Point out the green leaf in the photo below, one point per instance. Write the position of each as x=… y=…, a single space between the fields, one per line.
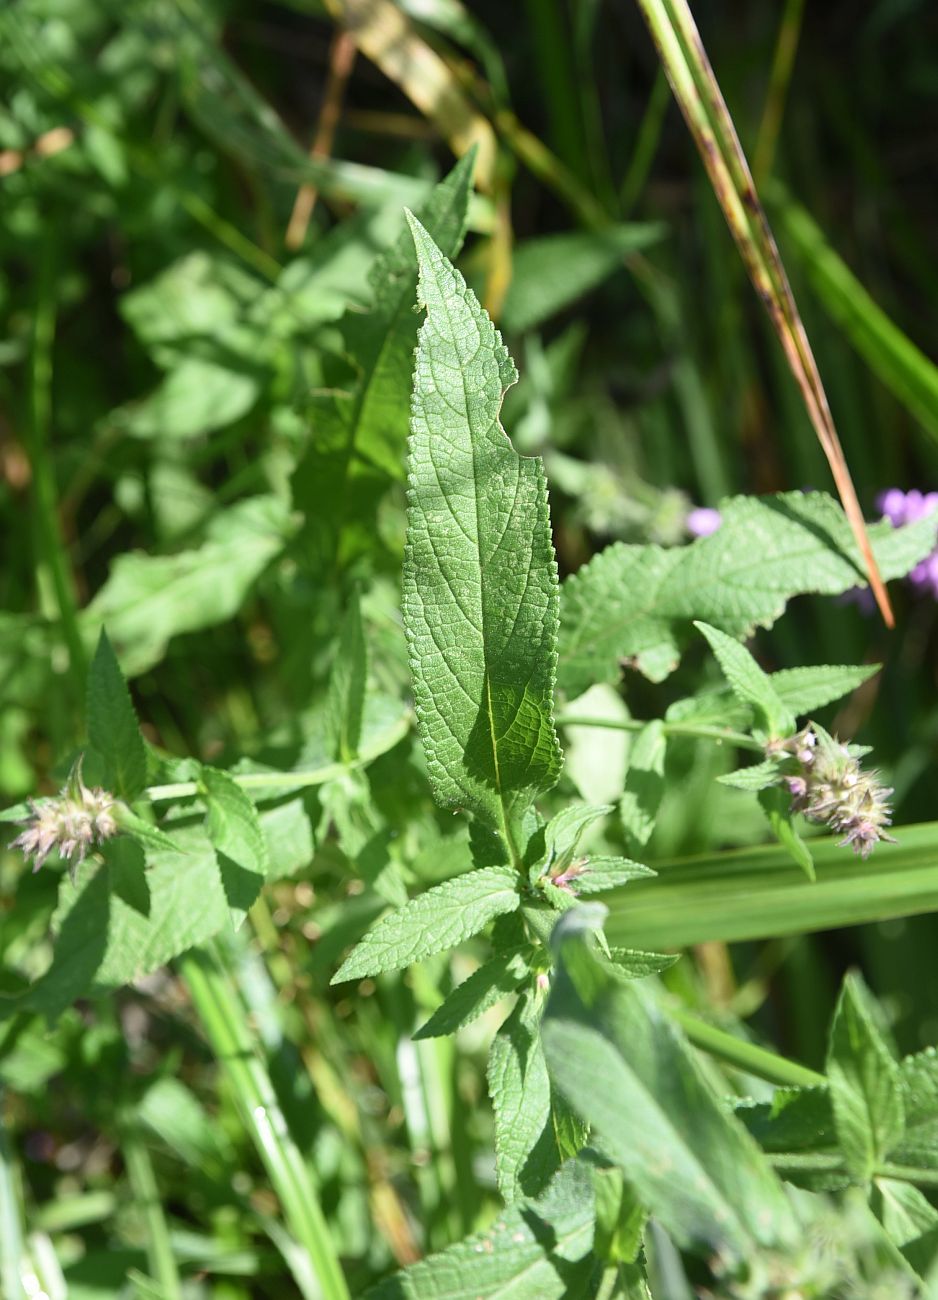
x=541 y=1250
x=636 y=965
x=480 y=579
x=644 y=786
x=776 y=804
x=628 y=1073
x=148 y=599
x=865 y=1084
x=758 y=776
x=636 y=603
x=802 y=690
x=345 y=700
x=145 y=833
x=112 y=725
x=525 y=1151
x=234 y=828
x=747 y=681
x=561 y=836
x=550 y=273
x=363 y=430
x=435 y=921
x=601 y=872
x=796 y=1119
x=485 y=987
x=104 y=940
x=758 y=893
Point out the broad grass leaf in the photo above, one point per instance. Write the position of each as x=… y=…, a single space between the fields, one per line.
x=551 y=272
x=112 y=725
x=865 y=1084
x=480 y=579
x=635 y=604
x=433 y=922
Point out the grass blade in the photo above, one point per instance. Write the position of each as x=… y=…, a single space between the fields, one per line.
x=223 y=1020
x=902 y=367
x=701 y=101
x=760 y=893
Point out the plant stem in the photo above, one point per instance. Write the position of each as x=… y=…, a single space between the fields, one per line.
x=11 y=1236
x=744 y=1055
x=701 y=101
x=783 y=62
x=223 y=1019
x=160 y=1258
x=697 y=732
x=286 y=781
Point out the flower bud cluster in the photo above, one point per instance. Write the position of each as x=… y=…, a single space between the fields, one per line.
x=829 y=787
x=74 y=822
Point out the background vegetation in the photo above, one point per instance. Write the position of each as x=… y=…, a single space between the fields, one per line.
x=177 y=273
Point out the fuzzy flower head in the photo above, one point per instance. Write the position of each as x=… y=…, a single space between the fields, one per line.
x=829 y=787
x=74 y=822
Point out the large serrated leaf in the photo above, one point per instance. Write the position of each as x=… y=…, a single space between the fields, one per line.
x=480 y=579
x=525 y=1151
x=112 y=725
x=540 y=1250
x=433 y=922
x=636 y=603
x=865 y=1084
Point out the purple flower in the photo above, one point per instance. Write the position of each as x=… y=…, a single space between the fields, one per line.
x=702 y=521
x=73 y=823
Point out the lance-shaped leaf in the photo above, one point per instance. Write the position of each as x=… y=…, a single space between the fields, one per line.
x=525 y=1149
x=112 y=725
x=748 y=682
x=635 y=604
x=480 y=579
x=627 y=1072
x=433 y=922
x=475 y=995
